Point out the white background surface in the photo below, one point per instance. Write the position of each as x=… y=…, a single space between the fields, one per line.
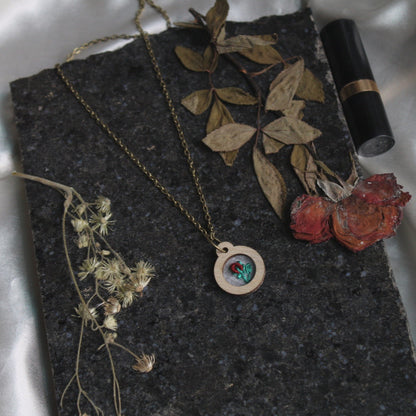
x=36 y=34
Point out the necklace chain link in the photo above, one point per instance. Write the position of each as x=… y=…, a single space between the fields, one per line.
x=208 y=231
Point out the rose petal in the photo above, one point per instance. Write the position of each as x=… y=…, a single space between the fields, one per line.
x=358 y=225
x=381 y=189
x=310 y=218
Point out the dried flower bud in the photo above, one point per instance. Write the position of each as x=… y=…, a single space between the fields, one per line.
x=81 y=208
x=85 y=313
x=141 y=276
x=110 y=337
x=79 y=224
x=110 y=269
x=110 y=323
x=144 y=363
x=126 y=296
x=138 y=284
x=126 y=270
x=113 y=284
x=100 y=222
x=112 y=306
x=83 y=241
x=103 y=204
x=88 y=266
x=144 y=269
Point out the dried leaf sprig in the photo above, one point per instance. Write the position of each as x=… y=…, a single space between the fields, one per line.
x=112 y=286
x=224 y=135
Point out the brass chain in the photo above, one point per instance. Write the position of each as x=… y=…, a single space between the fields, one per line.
x=207 y=232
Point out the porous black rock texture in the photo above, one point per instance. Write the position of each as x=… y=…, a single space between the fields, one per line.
x=324 y=335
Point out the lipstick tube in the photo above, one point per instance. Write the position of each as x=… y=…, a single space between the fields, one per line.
x=357 y=89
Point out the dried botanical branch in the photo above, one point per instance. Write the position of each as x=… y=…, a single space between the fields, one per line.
x=226 y=136
x=114 y=284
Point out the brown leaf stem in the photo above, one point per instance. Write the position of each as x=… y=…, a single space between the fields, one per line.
x=254 y=86
x=199 y=18
x=264 y=70
x=211 y=82
x=246 y=75
x=296 y=57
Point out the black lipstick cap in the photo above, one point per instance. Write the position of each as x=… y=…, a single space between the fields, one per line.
x=357 y=90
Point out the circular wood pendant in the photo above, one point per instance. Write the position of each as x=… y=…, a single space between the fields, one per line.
x=238 y=270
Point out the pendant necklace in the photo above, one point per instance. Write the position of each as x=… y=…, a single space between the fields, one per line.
x=238 y=270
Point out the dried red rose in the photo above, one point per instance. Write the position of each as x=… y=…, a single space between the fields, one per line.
x=381 y=189
x=309 y=218
x=357 y=224
x=372 y=212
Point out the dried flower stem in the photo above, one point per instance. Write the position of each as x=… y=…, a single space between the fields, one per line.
x=81 y=391
x=101 y=258
x=128 y=350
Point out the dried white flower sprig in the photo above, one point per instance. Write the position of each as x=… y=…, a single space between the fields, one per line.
x=113 y=285
x=144 y=363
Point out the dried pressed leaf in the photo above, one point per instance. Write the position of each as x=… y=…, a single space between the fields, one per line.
x=271 y=181
x=210 y=59
x=242 y=42
x=271 y=37
x=219 y=116
x=310 y=87
x=190 y=59
x=305 y=168
x=236 y=95
x=325 y=168
x=198 y=101
x=295 y=109
x=290 y=130
x=299 y=157
x=229 y=137
x=284 y=86
x=221 y=35
x=265 y=55
x=270 y=145
x=216 y=17
x=293 y=70
x=301 y=177
x=229 y=157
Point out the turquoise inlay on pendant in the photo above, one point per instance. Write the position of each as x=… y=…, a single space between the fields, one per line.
x=242 y=271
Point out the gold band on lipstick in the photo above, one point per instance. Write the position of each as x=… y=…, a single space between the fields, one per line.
x=355 y=87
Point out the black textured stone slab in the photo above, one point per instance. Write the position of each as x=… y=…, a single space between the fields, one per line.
x=324 y=335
